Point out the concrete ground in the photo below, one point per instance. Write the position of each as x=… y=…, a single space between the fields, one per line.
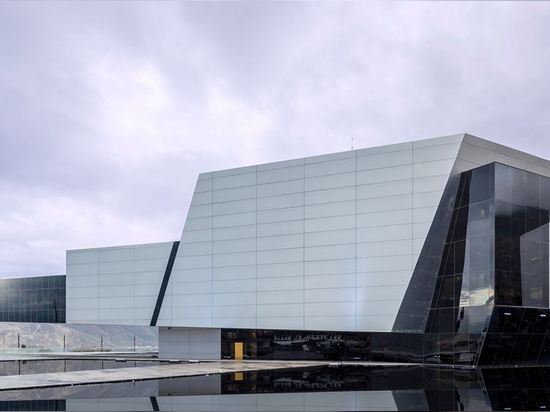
x=44 y=380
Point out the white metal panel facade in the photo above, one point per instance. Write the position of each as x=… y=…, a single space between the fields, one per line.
x=115 y=285
x=327 y=242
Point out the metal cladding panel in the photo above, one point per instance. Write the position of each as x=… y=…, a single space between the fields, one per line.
x=115 y=285
x=325 y=242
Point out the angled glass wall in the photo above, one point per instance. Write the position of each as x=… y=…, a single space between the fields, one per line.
x=495 y=258
x=522 y=204
x=464 y=294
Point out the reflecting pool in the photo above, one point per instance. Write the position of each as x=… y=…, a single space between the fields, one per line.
x=356 y=388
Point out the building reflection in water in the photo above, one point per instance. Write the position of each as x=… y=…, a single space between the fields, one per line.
x=328 y=388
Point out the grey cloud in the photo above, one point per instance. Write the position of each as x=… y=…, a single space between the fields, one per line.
x=109 y=110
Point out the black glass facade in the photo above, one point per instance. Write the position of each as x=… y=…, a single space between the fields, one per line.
x=479 y=294
x=33 y=299
x=323 y=345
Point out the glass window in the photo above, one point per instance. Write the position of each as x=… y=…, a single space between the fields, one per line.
x=481 y=183
x=510 y=184
x=532 y=190
x=480 y=219
x=449 y=288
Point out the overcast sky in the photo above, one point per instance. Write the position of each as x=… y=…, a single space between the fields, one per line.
x=109 y=110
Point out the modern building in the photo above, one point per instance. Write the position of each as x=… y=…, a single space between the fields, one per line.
x=432 y=251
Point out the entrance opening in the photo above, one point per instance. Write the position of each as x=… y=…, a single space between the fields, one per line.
x=238 y=350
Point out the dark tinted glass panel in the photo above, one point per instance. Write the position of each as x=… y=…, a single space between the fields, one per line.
x=481 y=185
x=414 y=310
x=35 y=299
x=510 y=184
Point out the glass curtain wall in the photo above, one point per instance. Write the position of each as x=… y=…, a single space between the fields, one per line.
x=33 y=299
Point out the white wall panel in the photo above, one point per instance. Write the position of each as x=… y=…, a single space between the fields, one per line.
x=329 y=223
x=196 y=211
x=385 y=278
x=238 y=193
x=330 y=181
x=192 y=236
x=382 y=323
x=424 y=199
x=234 y=272
x=280 y=215
x=235 y=206
x=280 y=242
x=383 y=204
x=280 y=228
x=240 y=285
x=345 y=280
x=233 y=245
x=280 y=283
x=237 y=219
x=191 y=275
x=330 y=167
x=280 y=188
x=201 y=198
x=191 y=287
x=195 y=299
x=381 y=293
x=117 y=288
x=235 y=298
x=427 y=184
x=150 y=265
x=330 y=309
x=280 y=255
x=332 y=237
x=329 y=195
x=382 y=160
x=385 y=174
x=281 y=201
x=384 y=233
x=281 y=323
x=436 y=151
x=124 y=266
x=198 y=223
x=235 y=232
x=280 y=297
x=330 y=295
x=384 y=218
x=116 y=254
x=433 y=168
x=89 y=256
x=281 y=174
x=384 y=248
x=329 y=157
x=286 y=310
x=399 y=187
x=330 y=209
x=326 y=267
x=330 y=323
x=330 y=252
x=203 y=185
x=280 y=269
x=235 y=311
x=196 y=249
x=225 y=182
x=384 y=263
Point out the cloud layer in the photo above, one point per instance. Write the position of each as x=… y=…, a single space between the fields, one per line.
x=109 y=110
